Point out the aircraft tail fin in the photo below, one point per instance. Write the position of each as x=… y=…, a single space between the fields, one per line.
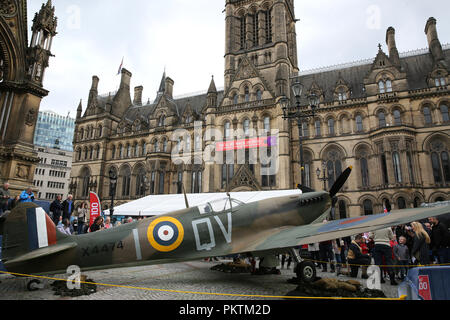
x=27 y=228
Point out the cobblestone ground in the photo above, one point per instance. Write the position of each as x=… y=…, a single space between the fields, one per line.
x=157 y=282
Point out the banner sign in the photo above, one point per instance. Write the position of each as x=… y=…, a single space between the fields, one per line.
x=424 y=288
x=246 y=144
x=95 y=208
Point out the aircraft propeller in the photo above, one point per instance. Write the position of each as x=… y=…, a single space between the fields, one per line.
x=336 y=186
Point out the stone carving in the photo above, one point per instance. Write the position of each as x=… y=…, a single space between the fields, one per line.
x=22 y=171
x=30 y=118
x=7 y=7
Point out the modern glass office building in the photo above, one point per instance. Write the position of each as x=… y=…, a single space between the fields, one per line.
x=54 y=131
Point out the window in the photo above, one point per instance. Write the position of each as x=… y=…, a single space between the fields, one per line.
x=144 y=149
x=268 y=26
x=364 y=172
x=180 y=182
x=164 y=145
x=331 y=129
x=444 y=113
x=162 y=121
x=267 y=125
x=136 y=150
x=388 y=86
x=235 y=98
x=440 y=82
x=401 y=203
x=140 y=183
x=196 y=186
x=246 y=127
x=342 y=209
x=243 y=31
x=227 y=127
x=381 y=87
x=128 y=150
x=126 y=179
x=381 y=119
x=397 y=117
x=305 y=129
x=359 y=123
x=441 y=167
x=86 y=177
x=156 y=146
x=342 y=94
x=161 y=182
x=384 y=169
x=368 y=207
x=258 y=95
x=427 y=115
x=152 y=182
x=97 y=152
x=246 y=94
x=334 y=168
x=397 y=166
x=318 y=128
x=255 y=29
x=410 y=166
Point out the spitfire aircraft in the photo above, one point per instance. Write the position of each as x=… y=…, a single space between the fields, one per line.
x=32 y=245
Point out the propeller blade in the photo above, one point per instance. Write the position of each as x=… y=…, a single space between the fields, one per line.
x=340 y=182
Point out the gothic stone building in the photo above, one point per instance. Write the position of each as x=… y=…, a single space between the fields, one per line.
x=387 y=117
x=22 y=68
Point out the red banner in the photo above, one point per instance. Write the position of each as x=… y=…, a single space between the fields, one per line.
x=95 y=208
x=424 y=288
x=246 y=144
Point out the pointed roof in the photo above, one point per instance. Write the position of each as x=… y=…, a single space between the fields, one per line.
x=212 y=86
x=162 y=86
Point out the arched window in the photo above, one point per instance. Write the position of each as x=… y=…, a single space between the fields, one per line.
x=305 y=129
x=381 y=119
x=417 y=202
x=381 y=87
x=427 y=115
x=410 y=166
x=227 y=130
x=164 y=145
x=444 y=113
x=136 y=149
x=359 y=123
x=368 y=207
x=246 y=127
x=140 y=182
x=364 y=172
x=235 y=98
x=161 y=182
x=397 y=166
x=97 y=152
x=243 y=31
x=334 y=167
x=196 y=185
x=401 y=203
x=318 y=128
x=246 y=94
x=397 y=117
x=128 y=150
x=440 y=162
x=79 y=154
x=331 y=128
x=255 y=30
x=144 y=149
x=162 y=121
x=126 y=180
x=440 y=82
x=342 y=94
x=258 y=95
x=156 y=146
x=388 y=85
x=267 y=125
x=384 y=171
x=387 y=205
x=86 y=177
x=342 y=209
x=100 y=131
x=113 y=152
x=268 y=26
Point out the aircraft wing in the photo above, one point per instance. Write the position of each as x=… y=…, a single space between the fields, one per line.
x=306 y=234
x=41 y=253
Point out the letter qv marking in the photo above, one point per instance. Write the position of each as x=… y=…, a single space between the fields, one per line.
x=211 y=243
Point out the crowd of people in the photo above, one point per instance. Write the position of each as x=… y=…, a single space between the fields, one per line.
x=67 y=219
x=394 y=250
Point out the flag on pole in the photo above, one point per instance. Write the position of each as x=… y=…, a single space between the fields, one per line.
x=120 y=68
x=95 y=207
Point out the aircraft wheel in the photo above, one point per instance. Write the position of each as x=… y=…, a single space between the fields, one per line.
x=33 y=285
x=306 y=271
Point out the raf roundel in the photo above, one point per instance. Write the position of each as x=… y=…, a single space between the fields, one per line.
x=165 y=234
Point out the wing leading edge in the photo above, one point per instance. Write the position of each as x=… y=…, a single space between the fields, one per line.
x=296 y=236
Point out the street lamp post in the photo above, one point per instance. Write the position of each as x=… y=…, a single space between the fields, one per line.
x=325 y=175
x=112 y=188
x=301 y=114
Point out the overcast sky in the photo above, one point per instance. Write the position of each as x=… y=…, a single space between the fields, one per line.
x=187 y=38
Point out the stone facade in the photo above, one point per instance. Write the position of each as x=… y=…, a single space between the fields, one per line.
x=22 y=69
x=386 y=117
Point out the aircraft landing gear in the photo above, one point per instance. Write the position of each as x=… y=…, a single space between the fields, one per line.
x=34 y=285
x=305 y=270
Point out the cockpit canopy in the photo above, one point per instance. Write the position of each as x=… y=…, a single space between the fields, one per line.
x=221 y=205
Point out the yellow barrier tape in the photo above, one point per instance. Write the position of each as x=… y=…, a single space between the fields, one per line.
x=199 y=293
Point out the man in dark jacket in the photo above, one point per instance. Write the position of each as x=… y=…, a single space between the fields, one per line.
x=67 y=207
x=440 y=240
x=356 y=258
x=56 y=209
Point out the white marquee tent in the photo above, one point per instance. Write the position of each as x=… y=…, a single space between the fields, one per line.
x=162 y=204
